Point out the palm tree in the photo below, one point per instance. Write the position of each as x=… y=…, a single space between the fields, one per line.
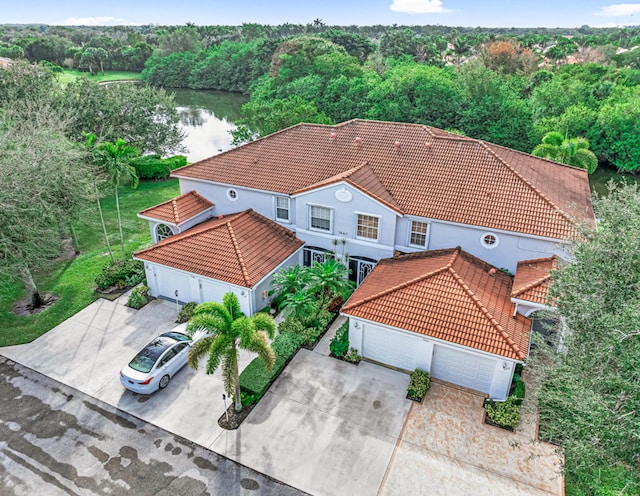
x=328 y=280
x=228 y=329
x=90 y=144
x=569 y=151
x=299 y=305
x=116 y=158
x=290 y=280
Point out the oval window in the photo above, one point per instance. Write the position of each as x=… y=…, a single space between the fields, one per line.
x=489 y=240
x=232 y=194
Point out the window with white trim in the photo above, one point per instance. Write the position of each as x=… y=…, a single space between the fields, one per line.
x=320 y=218
x=367 y=227
x=232 y=194
x=418 y=236
x=282 y=208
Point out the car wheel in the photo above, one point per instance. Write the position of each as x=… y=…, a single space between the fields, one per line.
x=164 y=382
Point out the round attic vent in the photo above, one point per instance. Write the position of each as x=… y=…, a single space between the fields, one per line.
x=344 y=195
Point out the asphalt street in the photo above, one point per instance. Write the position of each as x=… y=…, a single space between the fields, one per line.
x=55 y=440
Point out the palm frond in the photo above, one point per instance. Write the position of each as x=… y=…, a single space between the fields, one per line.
x=232 y=305
x=265 y=322
x=214 y=308
x=198 y=349
x=210 y=324
x=244 y=328
x=260 y=345
x=219 y=349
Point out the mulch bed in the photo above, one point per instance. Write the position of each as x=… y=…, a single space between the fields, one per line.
x=23 y=307
x=235 y=418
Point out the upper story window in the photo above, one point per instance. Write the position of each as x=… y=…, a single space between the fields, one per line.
x=282 y=208
x=163 y=231
x=418 y=236
x=367 y=227
x=489 y=240
x=320 y=218
x=232 y=194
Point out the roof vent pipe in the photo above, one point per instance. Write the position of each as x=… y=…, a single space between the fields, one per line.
x=358 y=140
x=397 y=145
x=492 y=271
x=427 y=145
x=332 y=136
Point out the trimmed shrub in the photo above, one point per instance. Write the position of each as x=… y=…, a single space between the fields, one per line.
x=121 y=274
x=353 y=356
x=155 y=167
x=139 y=297
x=519 y=392
x=419 y=384
x=286 y=344
x=504 y=414
x=291 y=324
x=255 y=379
x=186 y=312
x=339 y=344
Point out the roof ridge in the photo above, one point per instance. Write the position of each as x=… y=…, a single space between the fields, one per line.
x=174 y=204
x=236 y=247
x=486 y=313
x=526 y=181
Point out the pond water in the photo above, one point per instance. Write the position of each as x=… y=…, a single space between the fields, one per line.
x=207 y=118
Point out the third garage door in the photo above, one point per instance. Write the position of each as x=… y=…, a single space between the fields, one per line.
x=462 y=368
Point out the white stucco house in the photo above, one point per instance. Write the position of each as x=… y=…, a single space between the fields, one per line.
x=375 y=191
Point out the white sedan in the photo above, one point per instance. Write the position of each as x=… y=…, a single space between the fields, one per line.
x=154 y=366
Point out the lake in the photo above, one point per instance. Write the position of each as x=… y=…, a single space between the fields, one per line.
x=207 y=117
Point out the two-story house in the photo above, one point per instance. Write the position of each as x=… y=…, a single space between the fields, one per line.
x=365 y=191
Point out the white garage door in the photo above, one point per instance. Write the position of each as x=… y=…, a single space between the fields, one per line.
x=462 y=368
x=212 y=291
x=168 y=281
x=390 y=348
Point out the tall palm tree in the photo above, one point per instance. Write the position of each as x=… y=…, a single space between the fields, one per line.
x=116 y=158
x=569 y=151
x=90 y=145
x=228 y=329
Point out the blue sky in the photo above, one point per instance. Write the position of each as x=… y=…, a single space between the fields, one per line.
x=487 y=13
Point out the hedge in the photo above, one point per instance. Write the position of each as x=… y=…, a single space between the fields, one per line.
x=155 y=167
x=255 y=379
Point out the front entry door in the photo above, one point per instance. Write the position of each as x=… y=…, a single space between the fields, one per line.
x=360 y=268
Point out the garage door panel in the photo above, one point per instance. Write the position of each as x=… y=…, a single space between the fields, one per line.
x=390 y=348
x=171 y=280
x=211 y=291
x=462 y=368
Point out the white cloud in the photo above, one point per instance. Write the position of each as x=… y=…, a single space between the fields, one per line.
x=620 y=10
x=97 y=21
x=418 y=6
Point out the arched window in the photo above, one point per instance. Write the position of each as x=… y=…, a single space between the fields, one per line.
x=489 y=240
x=163 y=231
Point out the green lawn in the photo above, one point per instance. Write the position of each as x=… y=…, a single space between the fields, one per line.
x=70 y=75
x=72 y=280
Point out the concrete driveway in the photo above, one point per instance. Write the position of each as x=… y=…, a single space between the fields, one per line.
x=88 y=350
x=325 y=426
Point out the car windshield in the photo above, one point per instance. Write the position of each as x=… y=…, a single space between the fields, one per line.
x=178 y=336
x=146 y=359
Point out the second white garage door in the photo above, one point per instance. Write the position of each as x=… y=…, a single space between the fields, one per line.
x=390 y=348
x=462 y=368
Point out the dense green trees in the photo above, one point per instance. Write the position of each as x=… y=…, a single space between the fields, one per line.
x=590 y=396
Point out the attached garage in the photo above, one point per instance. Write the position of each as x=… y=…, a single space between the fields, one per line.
x=445 y=312
x=232 y=253
x=462 y=368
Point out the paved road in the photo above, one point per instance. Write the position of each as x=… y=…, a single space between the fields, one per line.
x=55 y=440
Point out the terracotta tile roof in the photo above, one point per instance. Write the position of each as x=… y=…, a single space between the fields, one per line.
x=179 y=209
x=533 y=278
x=445 y=294
x=419 y=170
x=240 y=248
